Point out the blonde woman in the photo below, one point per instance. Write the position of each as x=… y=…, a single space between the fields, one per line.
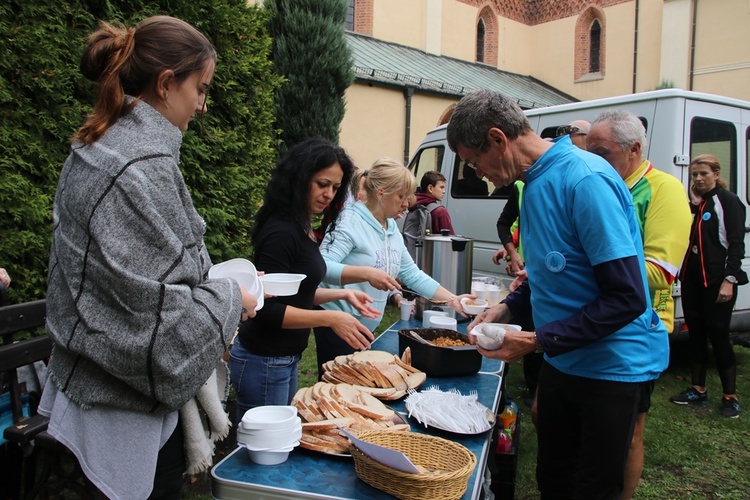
x=366 y=244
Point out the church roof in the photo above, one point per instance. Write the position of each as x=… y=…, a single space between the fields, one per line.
x=385 y=62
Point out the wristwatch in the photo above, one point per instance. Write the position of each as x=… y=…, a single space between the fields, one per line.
x=538 y=349
x=731 y=279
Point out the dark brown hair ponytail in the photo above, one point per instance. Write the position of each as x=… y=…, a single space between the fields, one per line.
x=128 y=60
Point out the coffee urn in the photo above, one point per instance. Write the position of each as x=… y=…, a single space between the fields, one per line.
x=448 y=259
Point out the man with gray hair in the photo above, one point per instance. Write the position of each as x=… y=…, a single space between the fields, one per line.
x=664 y=215
x=593 y=316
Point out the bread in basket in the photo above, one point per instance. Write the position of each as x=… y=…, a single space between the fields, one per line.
x=447 y=466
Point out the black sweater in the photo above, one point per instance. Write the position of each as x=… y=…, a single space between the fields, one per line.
x=717 y=240
x=283 y=247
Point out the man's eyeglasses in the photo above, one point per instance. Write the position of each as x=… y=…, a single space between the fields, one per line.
x=472 y=163
x=569 y=130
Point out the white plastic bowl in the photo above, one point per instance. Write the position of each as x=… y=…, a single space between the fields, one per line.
x=286 y=448
x=489 y=336
x=270 y=417
x=269 y=439
x=443 y=322
x=473 y=306
x=429 y=314
x=295 y=427
x=243 y=272
x=507 y=326
x=282 y=284
x=268 y=457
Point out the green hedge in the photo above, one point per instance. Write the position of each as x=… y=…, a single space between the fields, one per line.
x=44 y=99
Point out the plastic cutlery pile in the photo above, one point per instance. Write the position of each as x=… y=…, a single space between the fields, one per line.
x=450 y=411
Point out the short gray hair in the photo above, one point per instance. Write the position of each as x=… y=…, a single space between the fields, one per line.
x=625 y=126
x=478 y=112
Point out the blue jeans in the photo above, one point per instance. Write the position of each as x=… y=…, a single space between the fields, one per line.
x=261 y=380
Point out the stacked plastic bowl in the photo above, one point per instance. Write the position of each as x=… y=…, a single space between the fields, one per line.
x=243 y=271
x=269 y=433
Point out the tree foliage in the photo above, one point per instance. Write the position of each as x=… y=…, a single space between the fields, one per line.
x=226 y=161
x=311 y=53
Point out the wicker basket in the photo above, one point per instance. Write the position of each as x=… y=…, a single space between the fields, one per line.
x=453 y=462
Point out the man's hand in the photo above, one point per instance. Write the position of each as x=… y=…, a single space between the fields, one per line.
x=496 y=314
x=518 y=281
x=499 y=256
x=515 y=346
x=515 y=264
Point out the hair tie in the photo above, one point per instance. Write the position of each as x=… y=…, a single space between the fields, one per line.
x=365 y=173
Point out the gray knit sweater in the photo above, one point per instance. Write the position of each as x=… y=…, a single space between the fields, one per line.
x=135 y=324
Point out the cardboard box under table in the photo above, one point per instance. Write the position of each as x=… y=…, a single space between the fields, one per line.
x=308 y=474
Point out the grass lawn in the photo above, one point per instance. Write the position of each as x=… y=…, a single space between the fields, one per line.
x=690 y=451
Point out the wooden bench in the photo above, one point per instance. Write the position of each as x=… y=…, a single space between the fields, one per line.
x=27 y=435
x=18 y=459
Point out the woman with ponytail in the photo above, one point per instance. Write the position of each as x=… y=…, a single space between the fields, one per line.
x=711 y=272
x=136 y=325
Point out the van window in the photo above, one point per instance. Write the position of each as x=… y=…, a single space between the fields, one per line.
x=718 y=138
x=466 y=184
x=426 y=160
x=550 y=132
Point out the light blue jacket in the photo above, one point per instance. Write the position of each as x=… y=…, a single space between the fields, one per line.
x=360 y=240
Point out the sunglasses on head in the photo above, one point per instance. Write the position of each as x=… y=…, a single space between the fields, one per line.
x=569 y=130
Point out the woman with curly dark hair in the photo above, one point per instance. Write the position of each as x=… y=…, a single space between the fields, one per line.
x=264 y=357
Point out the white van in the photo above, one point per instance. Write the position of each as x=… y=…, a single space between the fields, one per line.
x=679 y=125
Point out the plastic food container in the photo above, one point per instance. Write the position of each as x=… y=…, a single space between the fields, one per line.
x=282 y=284
x=268 y=457
x=429 y=314
x=443 y=322
x=270 y=439
x=474 y=306
x=243 y=272
x=490 y=336
x=440 y=361
x=270 y=417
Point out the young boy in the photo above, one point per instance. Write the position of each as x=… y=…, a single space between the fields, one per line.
x=432 y=190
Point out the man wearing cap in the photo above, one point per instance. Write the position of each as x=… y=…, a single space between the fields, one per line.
x=577 y=130
x=593 y=316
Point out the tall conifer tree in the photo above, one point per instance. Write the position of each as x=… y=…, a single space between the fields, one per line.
x=311 y=53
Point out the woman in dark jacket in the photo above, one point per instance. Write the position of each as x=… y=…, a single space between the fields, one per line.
x=711 y=272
